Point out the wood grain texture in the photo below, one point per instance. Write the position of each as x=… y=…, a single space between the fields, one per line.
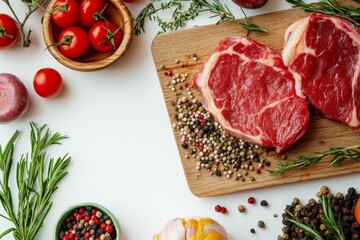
x=321 y=135
x=117 y=12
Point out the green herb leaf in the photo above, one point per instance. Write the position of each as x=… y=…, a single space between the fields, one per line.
x=36 y=180
x=308 y=230
x=6 y=232
x=329 y=7
x=339 y=154
x=180 y=13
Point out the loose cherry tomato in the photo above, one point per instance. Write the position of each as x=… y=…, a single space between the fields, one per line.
x=73 y=42
x=47 y=83
x=65 y=13
x=357 y=211
x=90 y=11
x=105 y=36
x=8 y=31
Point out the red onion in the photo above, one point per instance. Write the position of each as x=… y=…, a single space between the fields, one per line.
x=250 y=3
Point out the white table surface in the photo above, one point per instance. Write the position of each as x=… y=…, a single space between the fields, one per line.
x=123 y=151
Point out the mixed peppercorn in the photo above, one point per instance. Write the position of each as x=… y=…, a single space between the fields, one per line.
x=312 y=214
x=205 y=140
x=87 y=223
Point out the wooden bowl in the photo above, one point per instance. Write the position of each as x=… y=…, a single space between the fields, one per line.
x=116 y=12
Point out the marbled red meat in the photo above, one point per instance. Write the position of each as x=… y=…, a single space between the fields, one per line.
x=249 y=91
x=323 y=54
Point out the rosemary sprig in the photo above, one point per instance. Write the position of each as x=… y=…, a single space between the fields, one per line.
x=32 y=6
x=329 y=7
x=308 y=230
x=35 y=183
x=338 y=154
x=181 y=16
x=250 y=26
x=333 y=225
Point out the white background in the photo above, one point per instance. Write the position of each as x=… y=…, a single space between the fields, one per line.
x=122 y=146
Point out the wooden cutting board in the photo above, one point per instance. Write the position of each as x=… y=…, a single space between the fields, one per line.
x=179 y=46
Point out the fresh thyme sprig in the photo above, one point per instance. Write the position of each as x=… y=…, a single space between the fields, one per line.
x=32 y=6
x=329 y=7
x=338 y=154
x=250 y=26
x=35 y=183
x=180 y=17
x=333 y=225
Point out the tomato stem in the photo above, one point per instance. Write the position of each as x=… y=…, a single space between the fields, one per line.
x=61 y=7
x=110 y=36
x=4 y=34
x=65 y=41
x=98 y=15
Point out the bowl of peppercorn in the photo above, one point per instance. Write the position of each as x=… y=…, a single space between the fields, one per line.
x=87 y=221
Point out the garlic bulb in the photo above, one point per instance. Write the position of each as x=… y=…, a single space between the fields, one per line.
x=192 y=229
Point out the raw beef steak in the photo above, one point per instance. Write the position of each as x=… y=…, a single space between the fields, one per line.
x=248 y=90
x=323 y=54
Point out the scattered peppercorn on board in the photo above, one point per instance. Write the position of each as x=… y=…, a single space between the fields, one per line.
x=184 y=52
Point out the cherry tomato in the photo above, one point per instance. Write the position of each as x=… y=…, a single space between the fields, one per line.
x=357 y=211
x=47 y=83
x=90 y=11
x=73 y=42
x=105 y=36
x=66 y=13
x=8 y=31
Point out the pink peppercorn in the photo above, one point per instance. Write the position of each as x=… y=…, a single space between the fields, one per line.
x=108 y=229
x=217 y=208
x=251 y=200
x=87 y=235
x=78 y=217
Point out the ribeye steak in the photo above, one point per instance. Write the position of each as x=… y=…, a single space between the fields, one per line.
x=323 y=54
x=249 y=91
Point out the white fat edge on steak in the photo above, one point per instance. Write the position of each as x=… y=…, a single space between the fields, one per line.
x=202 y=83
x=293 y=40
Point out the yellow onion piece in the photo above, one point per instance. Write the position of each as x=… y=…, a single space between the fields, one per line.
x=192 y=229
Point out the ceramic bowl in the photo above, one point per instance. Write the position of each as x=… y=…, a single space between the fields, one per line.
x=71 y=209
x=117 y=12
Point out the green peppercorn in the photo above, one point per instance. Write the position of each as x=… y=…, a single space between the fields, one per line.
x=261 y=224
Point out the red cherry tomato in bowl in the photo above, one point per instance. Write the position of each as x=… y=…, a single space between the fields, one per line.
x=73 y=42
x=105 y=36
x=47 y=82
x=90 y=11
x=8 y=31
x=66 y=13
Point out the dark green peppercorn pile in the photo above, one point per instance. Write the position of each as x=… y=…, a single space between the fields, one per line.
x=312 y=213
